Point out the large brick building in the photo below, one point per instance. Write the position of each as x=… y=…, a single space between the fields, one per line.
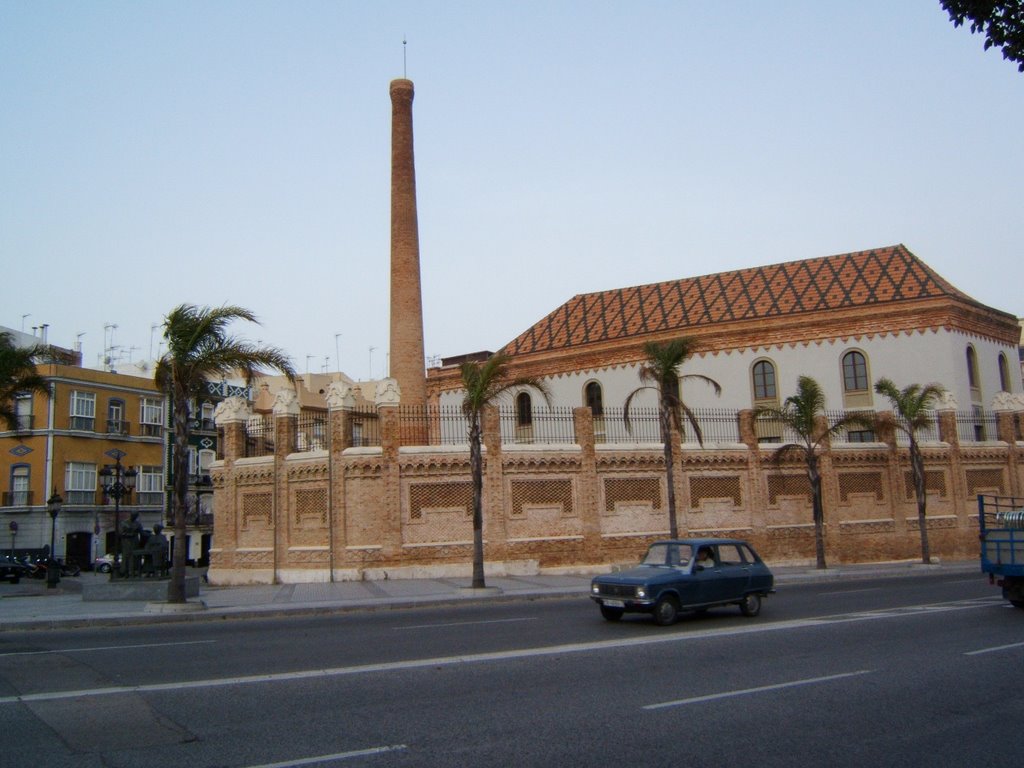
x=845 y=320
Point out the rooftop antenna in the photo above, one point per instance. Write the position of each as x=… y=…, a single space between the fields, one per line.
x=27 y=314
x=403 y=58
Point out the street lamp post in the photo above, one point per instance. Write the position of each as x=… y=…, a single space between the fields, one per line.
x=53 y=505
x=117 y=482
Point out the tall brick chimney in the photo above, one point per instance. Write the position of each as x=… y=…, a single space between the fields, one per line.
x=406 y=342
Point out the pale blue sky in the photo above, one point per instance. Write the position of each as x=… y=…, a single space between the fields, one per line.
x=153 y=153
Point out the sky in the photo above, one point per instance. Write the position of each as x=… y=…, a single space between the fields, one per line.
x=159 y=153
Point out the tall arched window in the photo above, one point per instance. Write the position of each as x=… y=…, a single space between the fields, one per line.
x=594 y=399
x=856 y=381
x=855 y=372
x=1004 y=374
x=972 y=375
x=524 y=410
x=765 y=389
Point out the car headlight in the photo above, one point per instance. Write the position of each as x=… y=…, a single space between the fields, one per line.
x=595 y=588
x=641 y=592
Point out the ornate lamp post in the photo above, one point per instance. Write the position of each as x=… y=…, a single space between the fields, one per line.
x=117 y=482
x=53 y=505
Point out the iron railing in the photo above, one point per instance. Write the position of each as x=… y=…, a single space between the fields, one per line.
x=976 y=426
x=17 y=498
x=313 y=433
x=554 y=425
x=433 y=425
x=259 y=436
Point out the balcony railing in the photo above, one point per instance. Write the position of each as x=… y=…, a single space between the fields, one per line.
x=122 y=428
x=83 y=423
x=151 y=430
x=17 y=498
x=24 y=422
x=83 y=497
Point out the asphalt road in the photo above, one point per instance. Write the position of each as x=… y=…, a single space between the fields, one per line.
x=911 y=672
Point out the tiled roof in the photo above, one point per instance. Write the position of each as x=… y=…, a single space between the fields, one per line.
x=849 y=280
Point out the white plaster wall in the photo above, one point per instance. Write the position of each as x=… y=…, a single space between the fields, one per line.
x=924 y=358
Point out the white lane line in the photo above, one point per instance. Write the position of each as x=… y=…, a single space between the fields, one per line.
x=851 y=591
x=759 y=689
x=464 y=623
x=335 y=756
x=994 y=649
x=107 y=648
x=476 y=658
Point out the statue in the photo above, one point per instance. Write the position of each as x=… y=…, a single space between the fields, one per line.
x=156 y=550
x=130 y=536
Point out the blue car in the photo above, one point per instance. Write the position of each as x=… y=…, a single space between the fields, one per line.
x=686 y=574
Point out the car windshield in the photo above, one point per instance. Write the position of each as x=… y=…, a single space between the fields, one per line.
x=667 y=554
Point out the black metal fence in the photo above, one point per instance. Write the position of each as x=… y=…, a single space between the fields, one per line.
x=541 y=425
x=448 y=425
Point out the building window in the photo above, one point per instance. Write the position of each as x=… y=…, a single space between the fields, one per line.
x=150 y=485
x=83 y=410
x=207 y=422
x=855 y=372
x=765 y=390
x=972 y=375
x=524 y=410
x=151 y=416
x=23 y=411
x=592 y=396
x=20 y=494
x=80 y=483
x=116 y=424
x=856 y=389
x=1004 y=374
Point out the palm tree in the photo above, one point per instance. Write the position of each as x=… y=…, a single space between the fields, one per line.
x=199 y=347
x=17 y=375
x=804 y=414
x=660 y=372
x=912 y=407
x=484 y=384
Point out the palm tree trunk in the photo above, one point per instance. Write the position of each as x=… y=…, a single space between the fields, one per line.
x=917 y=468
x=818 y=512
x=476 y=467
x=668 y=438
x=176 y=591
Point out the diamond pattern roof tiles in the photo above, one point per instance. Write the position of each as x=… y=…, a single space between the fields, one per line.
x=849 y=280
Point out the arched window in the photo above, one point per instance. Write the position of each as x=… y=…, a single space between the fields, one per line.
x=856 y=380
x=765 y=388
x=972 y=375
x=1004 y=374
x=855 y=372
x=593 y=399
x=524 y=410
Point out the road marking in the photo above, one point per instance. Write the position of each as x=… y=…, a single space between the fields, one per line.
x=994 y=649
x=335 y=756
x=494 y=656
x=107 y=648
x=465 y=623
x=759 y=689
x=851 y=591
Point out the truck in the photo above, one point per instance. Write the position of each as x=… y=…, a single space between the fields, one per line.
x=1001 y=525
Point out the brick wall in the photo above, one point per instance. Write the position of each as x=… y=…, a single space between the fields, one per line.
x=393 y=511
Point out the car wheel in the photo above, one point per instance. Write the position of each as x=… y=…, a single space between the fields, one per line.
x=666 y=610
x=105 y=568
x=751 y=605
x=611 y=614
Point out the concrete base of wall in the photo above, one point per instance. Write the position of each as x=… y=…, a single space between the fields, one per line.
x=147 y=590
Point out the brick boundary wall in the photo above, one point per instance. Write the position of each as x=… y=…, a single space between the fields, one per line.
x=352 y=513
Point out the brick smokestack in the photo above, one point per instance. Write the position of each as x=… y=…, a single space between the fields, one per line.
x=407 y=357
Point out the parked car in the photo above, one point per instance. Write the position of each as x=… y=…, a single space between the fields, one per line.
x=686 y=574
x=12 y=570
x=103 y=563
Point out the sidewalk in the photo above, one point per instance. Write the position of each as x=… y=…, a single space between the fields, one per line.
x=30 y=605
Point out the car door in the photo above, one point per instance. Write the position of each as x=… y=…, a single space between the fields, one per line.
x=733 y=572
